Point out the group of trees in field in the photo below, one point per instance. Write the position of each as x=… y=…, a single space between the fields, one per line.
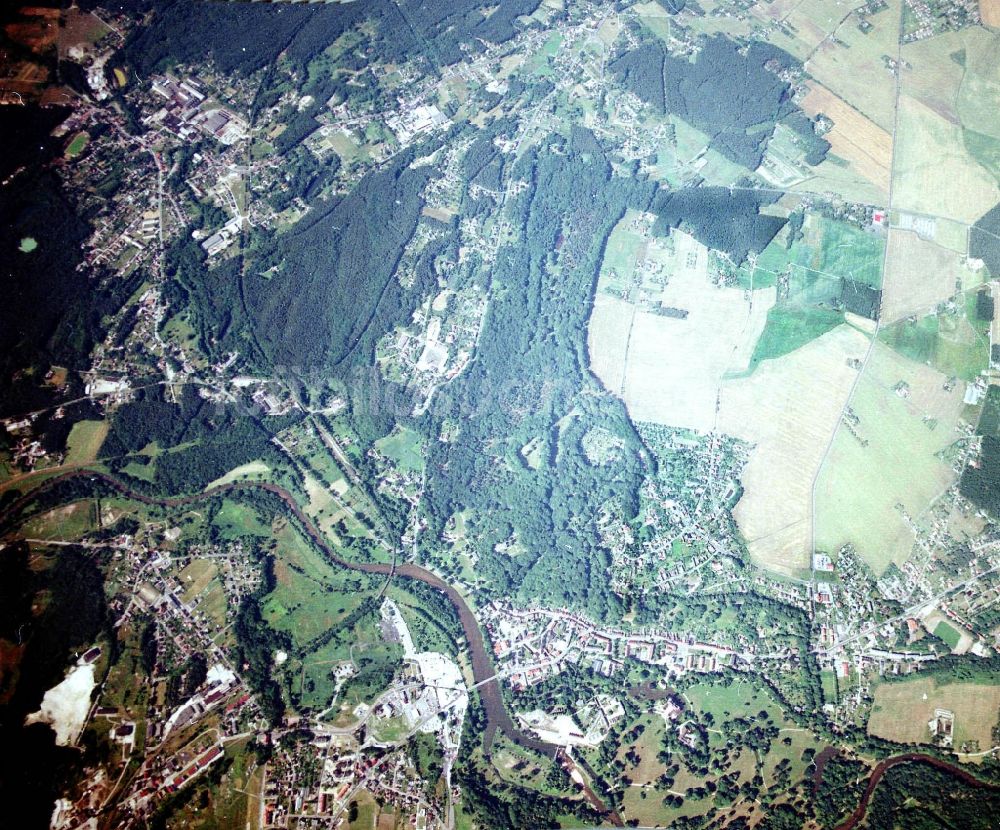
x=256 y=644
x=984 y=240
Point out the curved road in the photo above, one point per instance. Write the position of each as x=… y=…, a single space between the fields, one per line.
x=497 y=716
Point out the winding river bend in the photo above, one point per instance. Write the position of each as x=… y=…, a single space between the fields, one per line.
x=856 y=817
x=483 y=670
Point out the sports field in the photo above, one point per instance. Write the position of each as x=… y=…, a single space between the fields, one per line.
x=77 y=145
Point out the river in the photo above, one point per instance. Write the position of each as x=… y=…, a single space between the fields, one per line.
x=483 y=670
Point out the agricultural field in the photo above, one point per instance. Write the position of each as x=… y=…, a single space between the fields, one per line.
x=788 y=409
x=903 y=708
x=886 y=453
x=952 y=341
x=863 y=144
x=989 y=10
x=933 y=173
x=788 y=329
x=919 y=275
x=712 y=332
x=837 y=250
x=852 y=63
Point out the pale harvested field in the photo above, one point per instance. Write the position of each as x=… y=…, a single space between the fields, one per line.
x=854 y=137
x=918 y=275
x=901 y=713
x=788 y=408
x=813 y=20
x=607 y=339
x=851 y=65
x=980 y=86
x=887 y=458
x=933 y=172
x=989 y=11
x=674 y=367
x=934 y=77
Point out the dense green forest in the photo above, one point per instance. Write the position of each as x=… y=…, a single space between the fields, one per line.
x=984 y=240
x=527 y=383
x=735 y=96
x=51 y=312
x=335 y=278
x=921 y=797
x=205 y=440
x=981 y=484
x=246 y=37
x=720 y=218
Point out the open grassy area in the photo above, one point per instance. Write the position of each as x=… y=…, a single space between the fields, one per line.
x=403 y=447
x=310 y=596
x=235 y=519
x=85 y=439
x=63 y=523
x=196 y=576
x=741 y=698
x=787 y=329
x=525 y=768
x=623 y=249
x=902 y=709
x=252 y=471
x=365 y=812
x=886 y=453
